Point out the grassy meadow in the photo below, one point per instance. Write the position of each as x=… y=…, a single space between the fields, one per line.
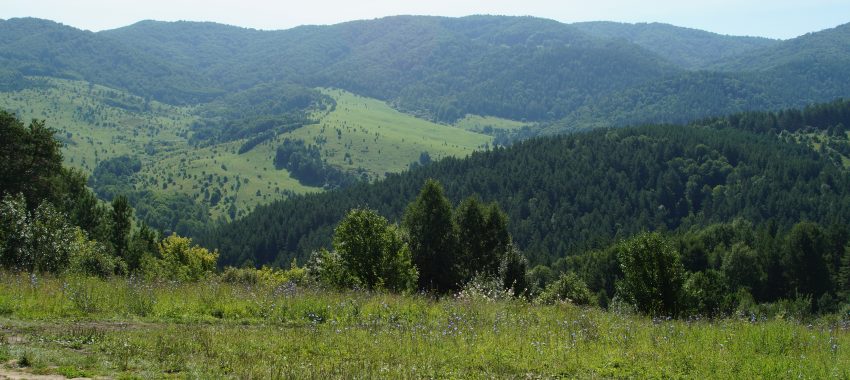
x=361 y=135
x=368 y=134
x=96 y=123
x=485 y=124
x=127 y=328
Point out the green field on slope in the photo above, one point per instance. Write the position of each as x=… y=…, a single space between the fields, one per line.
x=96 y=123
x=368 y=134
x=488 y=124
x=362 y=135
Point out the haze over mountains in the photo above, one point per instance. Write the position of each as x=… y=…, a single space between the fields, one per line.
x=521 y=68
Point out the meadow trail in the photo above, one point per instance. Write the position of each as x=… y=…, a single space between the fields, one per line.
x=13 y=374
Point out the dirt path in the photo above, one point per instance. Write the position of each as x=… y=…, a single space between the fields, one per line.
x=15 y=374
x=8 y=374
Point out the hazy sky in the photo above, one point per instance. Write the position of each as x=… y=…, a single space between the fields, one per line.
x=768 y=18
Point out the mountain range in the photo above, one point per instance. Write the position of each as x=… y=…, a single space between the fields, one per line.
x=565 y=76
x=203 y=112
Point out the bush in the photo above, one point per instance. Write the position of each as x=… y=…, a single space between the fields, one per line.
x=568 y=288
x=484 y=288
x=372 y=252
x=513 y=272
x=179 y=260
x=328 y=270
x=707 y=293
x=38 y=241
x=539 y=278
x=265 y=276
x=242 y=276
x=90 y=257
x=652 y=274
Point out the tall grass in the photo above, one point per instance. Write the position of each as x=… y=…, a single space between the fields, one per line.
x=212 y=329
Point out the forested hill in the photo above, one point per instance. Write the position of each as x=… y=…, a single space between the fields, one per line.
x=830 y=45
x=445 y=67
x=688 y=48
x=520 y=68
x=793 y=73
x=568 y=193
x=810 y=66
x=31 y=46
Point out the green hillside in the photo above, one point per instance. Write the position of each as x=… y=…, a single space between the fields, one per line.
x=367 y=134
x=96 y=122
x=628 y=64
x=205 y=107
x=569 y=193
x=442 y=67
x=360 y=135
x=829 y=45
x=519 y=68
x=45 y=48
x=686 y=47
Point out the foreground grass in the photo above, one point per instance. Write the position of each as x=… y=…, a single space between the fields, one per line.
x=125 y=329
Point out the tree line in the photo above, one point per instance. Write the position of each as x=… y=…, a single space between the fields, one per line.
x=719 y=270
x=437 y=248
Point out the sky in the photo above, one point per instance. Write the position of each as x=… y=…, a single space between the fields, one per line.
x=766 y=18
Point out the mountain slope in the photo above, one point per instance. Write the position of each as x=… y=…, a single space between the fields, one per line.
x=808 y=69
x=688 y=48
x=813 y=67
x=518 y=68
x=565 y=194
x=40 y=47
x=830 y=45
x=443 y=66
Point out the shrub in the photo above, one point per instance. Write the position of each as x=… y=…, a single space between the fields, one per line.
x=513 y=272
x=652 y=274
x=568 y=288
x=328 y=270
x=243 y=276
x=90 y=257
x=37 y=241
x=372 y=251
x=179 y=260
x=707 y=293
x=485 y=288
x=266 y=276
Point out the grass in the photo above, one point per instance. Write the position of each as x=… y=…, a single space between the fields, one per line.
x=819 y=141
x=488 y=124
x=364 y=133
x=361 y=135
x=126 y=329
x=97 y=122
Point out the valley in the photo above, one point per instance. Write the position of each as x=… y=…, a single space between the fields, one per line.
x=361 y=136
x=423 y=197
